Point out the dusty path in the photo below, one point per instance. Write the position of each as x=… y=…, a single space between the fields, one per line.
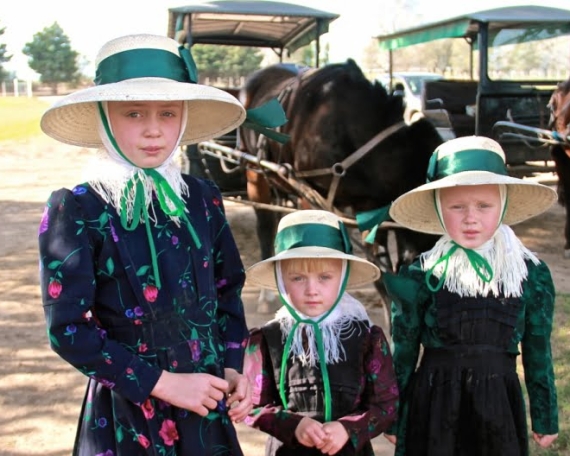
x=40 y=395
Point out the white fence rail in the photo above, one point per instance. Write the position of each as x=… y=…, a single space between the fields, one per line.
x=16 y=88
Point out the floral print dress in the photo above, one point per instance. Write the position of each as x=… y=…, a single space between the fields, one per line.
x=364 y=393
x=106 y=316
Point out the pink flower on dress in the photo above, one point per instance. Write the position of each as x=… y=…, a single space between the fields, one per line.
x=143 y=441
x=374 y=366
x=168 y=432
x=150 y=293
x=54 y=289
x=148 y=409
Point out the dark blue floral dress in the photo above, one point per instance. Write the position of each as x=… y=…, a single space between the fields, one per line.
x=106 y=317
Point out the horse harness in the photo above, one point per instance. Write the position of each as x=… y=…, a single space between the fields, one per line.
x=338 y=170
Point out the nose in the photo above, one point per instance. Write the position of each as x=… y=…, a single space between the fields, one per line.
x=470 y=215
x=311 y=287
x=152 y=127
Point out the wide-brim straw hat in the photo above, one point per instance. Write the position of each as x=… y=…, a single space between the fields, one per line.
x=143 y=67
x=470 y=160
x=312 y=234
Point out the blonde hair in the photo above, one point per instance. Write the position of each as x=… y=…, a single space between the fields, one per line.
x=305 y=265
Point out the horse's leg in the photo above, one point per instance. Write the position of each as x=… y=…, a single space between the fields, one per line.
x=266 y=226
x=562 y=163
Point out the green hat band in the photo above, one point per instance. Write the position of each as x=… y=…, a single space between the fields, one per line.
x=313 y=235
x=466 y=160
x=147 y=63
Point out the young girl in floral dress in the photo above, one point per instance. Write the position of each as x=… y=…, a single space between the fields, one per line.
x=322 y=375
x=140 y=274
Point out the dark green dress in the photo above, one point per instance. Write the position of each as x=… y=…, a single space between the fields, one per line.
x=465 y=396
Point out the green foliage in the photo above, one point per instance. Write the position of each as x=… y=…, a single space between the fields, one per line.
x=225 y=61
x=3 y=57
x=50 y=54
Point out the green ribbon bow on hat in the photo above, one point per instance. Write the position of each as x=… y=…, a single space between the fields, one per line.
x=371 y=220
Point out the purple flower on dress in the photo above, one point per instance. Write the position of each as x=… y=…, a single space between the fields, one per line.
x=113 y=232
x=221 y=283
x=174 y=240
x=195 y=349
x=102 y=422
x=138 y=311
x=44 y=221
x=106 y=453
x=79 y=190
x=233 y=345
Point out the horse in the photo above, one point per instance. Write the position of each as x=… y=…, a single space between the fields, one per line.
x=559 y=105
x=347 y=141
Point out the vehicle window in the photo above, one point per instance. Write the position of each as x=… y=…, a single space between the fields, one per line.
x=531 y=53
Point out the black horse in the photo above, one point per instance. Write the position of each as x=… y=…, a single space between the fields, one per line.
x=332 y=113
x=560 y=121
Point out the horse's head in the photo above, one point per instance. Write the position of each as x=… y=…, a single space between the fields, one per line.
x=559 y=106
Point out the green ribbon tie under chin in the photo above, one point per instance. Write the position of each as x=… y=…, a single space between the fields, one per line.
x=480 y=265
x=164 y=192
x=320 y=348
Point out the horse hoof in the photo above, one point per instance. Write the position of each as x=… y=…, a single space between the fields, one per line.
x=567 y=254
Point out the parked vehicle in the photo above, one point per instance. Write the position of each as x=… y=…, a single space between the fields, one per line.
x=517 y=55
x=410 y=84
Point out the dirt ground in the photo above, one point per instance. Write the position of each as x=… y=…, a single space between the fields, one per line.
x=40 y=395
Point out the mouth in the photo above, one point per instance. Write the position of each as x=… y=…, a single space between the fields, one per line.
x=152 y=149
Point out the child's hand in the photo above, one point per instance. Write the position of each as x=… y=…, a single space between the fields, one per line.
x=198 y=393
x=310 y=433
x=239 y=395
x=544 y=440
x=391 y=438
x=337 y=436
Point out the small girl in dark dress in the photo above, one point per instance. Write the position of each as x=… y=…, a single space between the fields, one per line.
x=140 y=274
x=470 y=302
x=322 y=375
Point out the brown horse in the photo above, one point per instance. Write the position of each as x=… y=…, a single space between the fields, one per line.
x=560 y=121
x=333 y=112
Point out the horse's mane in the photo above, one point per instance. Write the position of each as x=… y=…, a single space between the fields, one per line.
x=344 y=81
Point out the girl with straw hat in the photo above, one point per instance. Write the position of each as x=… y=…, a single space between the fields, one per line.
x=469 y=302
x=322 y=374
x=140 y=274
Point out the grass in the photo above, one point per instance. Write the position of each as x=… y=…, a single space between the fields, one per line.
x=561 y=354
x=20 y=117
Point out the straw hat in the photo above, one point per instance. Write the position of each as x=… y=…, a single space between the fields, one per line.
x=143 y=68
x=470 y=160
x=312 y=234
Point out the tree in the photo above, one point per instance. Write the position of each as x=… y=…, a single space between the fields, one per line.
x=3 y=58
x=50 y=54
x=226 y=62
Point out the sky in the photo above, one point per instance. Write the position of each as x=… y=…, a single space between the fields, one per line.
x=90 y=24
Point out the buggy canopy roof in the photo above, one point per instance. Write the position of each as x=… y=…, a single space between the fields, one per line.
x=269 y=24
x=467 y=25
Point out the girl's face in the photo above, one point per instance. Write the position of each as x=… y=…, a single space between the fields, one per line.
x=471 y=213
x=312 y=288
x=146 y=131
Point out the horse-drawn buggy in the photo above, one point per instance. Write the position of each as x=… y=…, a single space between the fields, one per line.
x=348 y=149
